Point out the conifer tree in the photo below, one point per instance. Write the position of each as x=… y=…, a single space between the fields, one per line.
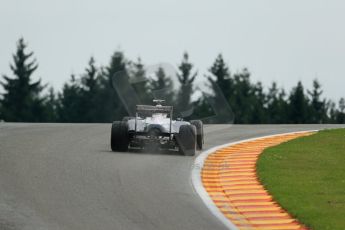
x=332 y=112
x=112 y=108
x=139 y=82
x=22 y=100
x=276 y=105
x=318 y=106
x=342 y=105
x=222 y=87
x=186 y=78
x=90 y=93
x=258 y=103
x=51 y=105
x=69 y=107
x=241 y=99
x=298 y=105
x=341 y=113
x=221 y=78
x=162 y=86
x=89 y=80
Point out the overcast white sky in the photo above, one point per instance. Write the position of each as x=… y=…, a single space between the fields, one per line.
x=283 y=41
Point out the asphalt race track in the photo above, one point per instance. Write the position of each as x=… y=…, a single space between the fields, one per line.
x=64 y=176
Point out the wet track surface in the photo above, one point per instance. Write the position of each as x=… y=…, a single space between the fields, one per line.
x=64 y=176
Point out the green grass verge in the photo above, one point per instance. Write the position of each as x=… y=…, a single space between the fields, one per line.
x=307 y=178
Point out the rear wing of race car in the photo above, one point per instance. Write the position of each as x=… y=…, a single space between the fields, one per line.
x=151 y=109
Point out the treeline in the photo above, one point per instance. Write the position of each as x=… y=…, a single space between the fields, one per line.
x=94 y=96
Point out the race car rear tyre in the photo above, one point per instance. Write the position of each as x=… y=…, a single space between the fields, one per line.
x=119 y=139
x=186 y=140
x=199 y=133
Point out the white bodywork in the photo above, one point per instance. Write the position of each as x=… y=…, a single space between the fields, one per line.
x=158 y=119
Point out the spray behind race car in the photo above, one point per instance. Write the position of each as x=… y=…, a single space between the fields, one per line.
x=153 y=125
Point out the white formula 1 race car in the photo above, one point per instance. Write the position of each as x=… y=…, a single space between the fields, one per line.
x=153 y=128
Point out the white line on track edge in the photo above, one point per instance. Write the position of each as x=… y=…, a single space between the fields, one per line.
x=197 y=183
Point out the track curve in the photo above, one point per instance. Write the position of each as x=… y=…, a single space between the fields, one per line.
x=64 y=176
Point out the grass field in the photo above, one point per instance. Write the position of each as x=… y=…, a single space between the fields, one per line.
x=307 y=178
